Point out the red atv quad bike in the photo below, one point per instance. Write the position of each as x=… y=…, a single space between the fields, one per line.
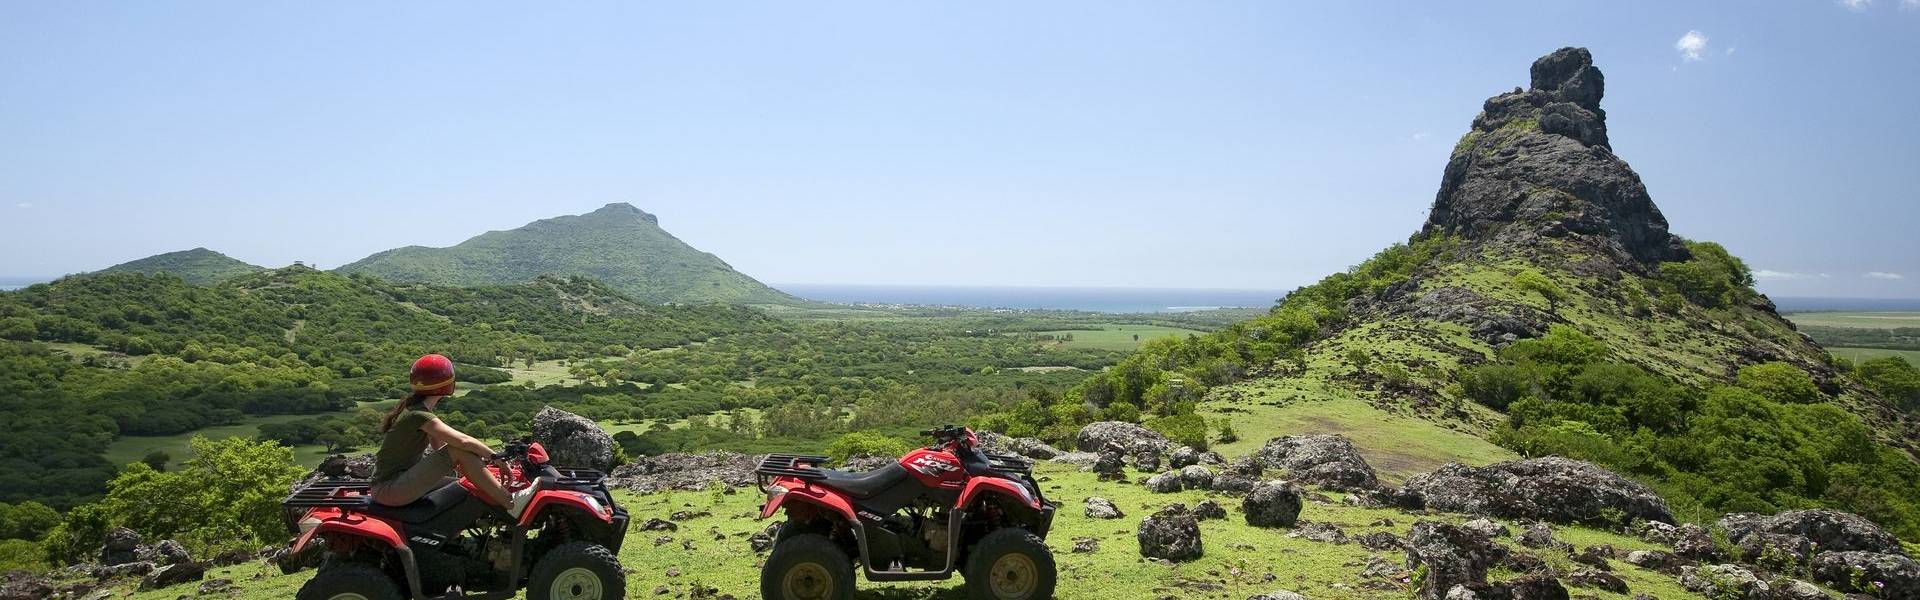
x=455 y=543
x=939 y=510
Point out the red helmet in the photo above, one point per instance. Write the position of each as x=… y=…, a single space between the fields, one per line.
x=432 y=375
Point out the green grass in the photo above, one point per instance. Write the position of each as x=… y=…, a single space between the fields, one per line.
x=130 y=449
x=1857 y=320
x=1238 y=561
x=1397 y=446
x=1115 y=336
x=1863 y=354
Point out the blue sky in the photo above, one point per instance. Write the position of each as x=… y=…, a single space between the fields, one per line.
x=1178 y=144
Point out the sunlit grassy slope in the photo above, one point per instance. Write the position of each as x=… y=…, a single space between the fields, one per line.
x=1238 y=563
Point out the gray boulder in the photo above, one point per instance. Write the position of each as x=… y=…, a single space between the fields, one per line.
x=1552 y=488
x=1273 y=504
x=1693 y=541
x=1278 y=595
x=1133 y=438
x=572 y=440
x=166 y=552
x=1170 y=534
x=1027 y=447
x=1787 y=588
x=1731 y=582
x=1102 y=508
x=122 y=547
x=1329 y=461
x=172 y=575
x=1450 y=556
x=1196 y=477
x=1164 y=483
x=1830 y=530
x=23 y=585
x=1880 y=575
x=1112 y=464
x=1208 y=509
x=1487 y=527
x=1147 y=461
x=1228 y=483
x=1597 y=579
x=1182 y=456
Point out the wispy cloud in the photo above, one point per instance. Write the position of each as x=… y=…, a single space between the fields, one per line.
x=1692 y=46
x=1771 y=275
x=1885 y=275
x=1861 y=5
x=1424 y=135
x=23 y=205
x=1909 y=4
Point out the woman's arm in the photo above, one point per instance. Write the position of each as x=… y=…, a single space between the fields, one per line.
x=442 y=433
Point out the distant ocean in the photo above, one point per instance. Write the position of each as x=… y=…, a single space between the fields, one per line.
x=1802 y=304
x=1096 y=299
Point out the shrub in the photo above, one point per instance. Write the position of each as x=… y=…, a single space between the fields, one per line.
x=860 y=443
x=1184 y=429
x=1895 y=379
x=1780 y=382
x=1712 y=278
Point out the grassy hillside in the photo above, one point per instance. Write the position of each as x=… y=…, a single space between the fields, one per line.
x=198 y=266
x=1240 y=561
x=618 y=244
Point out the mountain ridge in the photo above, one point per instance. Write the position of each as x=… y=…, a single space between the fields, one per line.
x=617 y=243
x=197 y=266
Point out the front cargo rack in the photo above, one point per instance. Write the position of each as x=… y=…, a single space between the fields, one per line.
x=1010 y=463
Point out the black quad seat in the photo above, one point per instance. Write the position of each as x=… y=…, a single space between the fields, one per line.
x=422 y=510
x=864 y=485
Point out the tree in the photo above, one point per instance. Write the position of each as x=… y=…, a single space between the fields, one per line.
x=1895 y=379
x=227 y=496
x=1532 y=281
x=1780 y=382
x=157 y=460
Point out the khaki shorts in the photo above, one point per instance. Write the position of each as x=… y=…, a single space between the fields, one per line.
x=434 y=471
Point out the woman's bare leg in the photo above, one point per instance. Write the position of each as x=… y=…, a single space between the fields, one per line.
x=476 y=471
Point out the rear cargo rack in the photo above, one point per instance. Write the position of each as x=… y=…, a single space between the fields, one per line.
x=324 y=493
x=799 y=466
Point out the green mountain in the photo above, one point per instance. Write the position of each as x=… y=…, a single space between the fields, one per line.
x=198 y=266
x=618 y=244
x=1543 y=308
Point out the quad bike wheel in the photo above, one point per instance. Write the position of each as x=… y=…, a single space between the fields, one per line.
x=807 y=566
x=1010 y=564
x=577 y=571
x=350 y=581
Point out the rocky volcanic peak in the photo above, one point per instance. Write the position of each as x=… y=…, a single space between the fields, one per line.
x=1538 y=164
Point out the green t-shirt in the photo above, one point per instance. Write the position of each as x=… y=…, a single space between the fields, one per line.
x=404 y=444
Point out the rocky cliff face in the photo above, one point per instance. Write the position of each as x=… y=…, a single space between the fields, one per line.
x=1537 y=163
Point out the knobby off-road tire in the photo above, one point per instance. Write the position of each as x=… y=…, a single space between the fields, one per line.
x=577 y=571
x=1010 y=564
x=807 y=566
x=349 y=581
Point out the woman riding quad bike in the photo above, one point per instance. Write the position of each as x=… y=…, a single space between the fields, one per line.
x=416 y=532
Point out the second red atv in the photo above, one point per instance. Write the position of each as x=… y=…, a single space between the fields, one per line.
x=945 y=509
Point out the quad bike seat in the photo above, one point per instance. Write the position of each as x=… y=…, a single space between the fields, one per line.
x=426 y=508
x=864 y=485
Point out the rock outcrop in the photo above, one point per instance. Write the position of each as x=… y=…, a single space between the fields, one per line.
x=1170 y=534
x=1552 y=488
x=1450 y=557
x=682 y=471
x=572 y=440
x=1131 y=438
x=1273 y=504
x=1538 y=164
x=1828 y=530
x=1329 y=461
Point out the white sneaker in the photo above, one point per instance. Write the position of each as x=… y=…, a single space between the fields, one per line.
x=520 y=500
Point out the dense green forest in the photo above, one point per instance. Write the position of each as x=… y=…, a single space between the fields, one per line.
x=198 y=265
x=153 y=354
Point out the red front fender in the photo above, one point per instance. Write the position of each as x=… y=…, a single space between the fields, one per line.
x=555 y=498
x=978 y=486
x=808 y=494
x=334 y=522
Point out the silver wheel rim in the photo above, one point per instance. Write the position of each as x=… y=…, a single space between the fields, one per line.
x=578 y=583
x=1014 y=576
x=807 y=581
